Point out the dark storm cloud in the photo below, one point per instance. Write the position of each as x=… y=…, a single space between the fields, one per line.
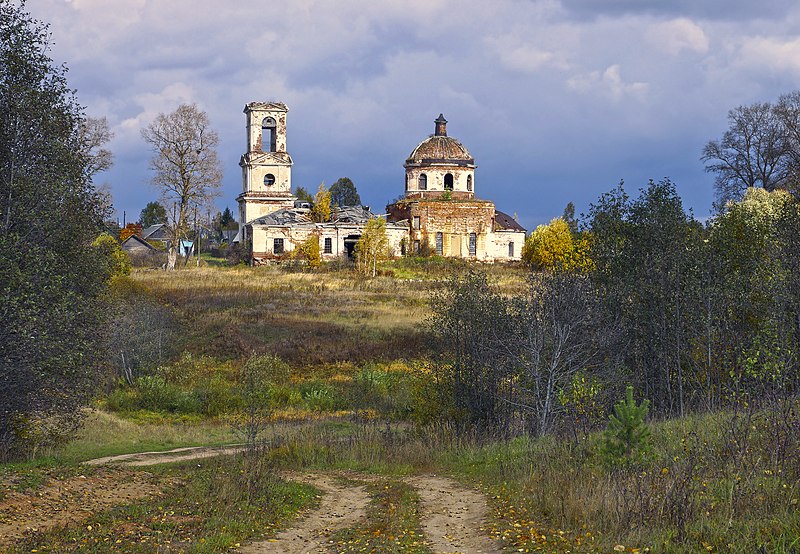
x=557 y=101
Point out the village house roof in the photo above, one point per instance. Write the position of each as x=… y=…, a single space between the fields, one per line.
x=134 y=243
x=155 y=232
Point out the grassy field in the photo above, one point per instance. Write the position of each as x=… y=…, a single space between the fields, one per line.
x=353 y=394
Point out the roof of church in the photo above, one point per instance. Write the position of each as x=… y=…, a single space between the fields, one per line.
x=439 y=148
x=280 y=106
x=505 y=222
x=286 y=216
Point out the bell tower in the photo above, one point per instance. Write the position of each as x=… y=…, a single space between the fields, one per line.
x=266 y=165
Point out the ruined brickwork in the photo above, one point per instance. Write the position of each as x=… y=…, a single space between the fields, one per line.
x=275 y=242
x=441 y=209
x=439 y=213
x=266 y=166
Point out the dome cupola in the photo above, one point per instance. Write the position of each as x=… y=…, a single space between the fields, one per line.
x=440 y=166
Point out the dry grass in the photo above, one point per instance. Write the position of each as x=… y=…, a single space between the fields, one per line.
x=104 y=434
x=306 y=319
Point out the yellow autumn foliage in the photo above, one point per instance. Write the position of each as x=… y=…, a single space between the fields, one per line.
x=553 y=246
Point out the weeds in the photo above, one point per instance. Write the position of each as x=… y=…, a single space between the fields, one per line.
x=208 y=507
x=392 y=526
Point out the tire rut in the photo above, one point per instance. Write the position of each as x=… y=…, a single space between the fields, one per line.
x=451 y=516
x=340 y=507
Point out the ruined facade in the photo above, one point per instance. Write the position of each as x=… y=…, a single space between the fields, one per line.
x=439 y=213
x=440 y=207
x=266 y=165
x=275 y=223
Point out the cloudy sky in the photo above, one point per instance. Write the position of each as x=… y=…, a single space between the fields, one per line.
x=558 y=100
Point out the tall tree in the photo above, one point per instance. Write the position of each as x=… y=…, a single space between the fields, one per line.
x=753 y=152
x=373 y=246
x=557 y=332
x=302 y=194
x=185 y=167
x=51 y=278
x=475 y=375
x=644 y=255
x=569 y=217
x=321 y=210
x=226 y=220
x=93 y=135
x=788 y=111
x=344 y=193
x=153 y=214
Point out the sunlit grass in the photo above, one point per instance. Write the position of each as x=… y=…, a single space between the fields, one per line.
x=105 y=434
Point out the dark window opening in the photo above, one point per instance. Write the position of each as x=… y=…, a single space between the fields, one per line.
x=448 y=181
x=403 y=248
x=277 y=246
x=417 y=247
x=439 y=244
x=469 y=182
x=268 y=134
x=406 y=182
x=350 y=242
x=510 y=249
x=269 y=179
x=423 y=182
x=473 y=244
x=328 y=249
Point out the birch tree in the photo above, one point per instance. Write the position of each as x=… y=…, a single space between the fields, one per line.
x=185 y=167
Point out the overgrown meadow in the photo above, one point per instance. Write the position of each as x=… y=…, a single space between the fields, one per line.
x=352 y=384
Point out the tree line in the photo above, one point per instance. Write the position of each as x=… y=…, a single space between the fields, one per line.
x=694 y=316
x=760 y=149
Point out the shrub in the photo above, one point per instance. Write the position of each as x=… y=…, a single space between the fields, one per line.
x=319 y=396
x=216 y=396
x=308 y=250
x=157 y=394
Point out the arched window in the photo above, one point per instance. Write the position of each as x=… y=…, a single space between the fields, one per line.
x=448 y=181
x=469 y=183
x=269 y=179
x=423 y=182
x=268 y=134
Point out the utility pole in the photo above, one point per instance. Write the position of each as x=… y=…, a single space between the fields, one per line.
x=197 y=237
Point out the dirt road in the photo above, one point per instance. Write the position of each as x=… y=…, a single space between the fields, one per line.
x=451 y=515
x=340 y=507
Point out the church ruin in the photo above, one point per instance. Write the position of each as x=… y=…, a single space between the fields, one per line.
x=439 y=213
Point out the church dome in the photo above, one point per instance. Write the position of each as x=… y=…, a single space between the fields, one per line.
x=440 y=149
